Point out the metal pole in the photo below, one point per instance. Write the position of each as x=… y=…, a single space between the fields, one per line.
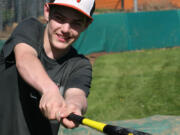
x=135 y=5
x=122 y=4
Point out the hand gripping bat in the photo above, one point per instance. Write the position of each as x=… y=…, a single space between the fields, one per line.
x=105 y=128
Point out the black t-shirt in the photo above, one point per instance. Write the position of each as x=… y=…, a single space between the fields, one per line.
x=22 y=101
x=31 y=31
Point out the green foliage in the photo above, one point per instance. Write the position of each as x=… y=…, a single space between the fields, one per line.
x=135 y=85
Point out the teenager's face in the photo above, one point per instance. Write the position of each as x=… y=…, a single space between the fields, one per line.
x=64 y=26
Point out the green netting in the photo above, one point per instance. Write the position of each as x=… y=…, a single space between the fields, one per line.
x=115 y=32
x=154 y=29
x=107 y=33
x=156 y=125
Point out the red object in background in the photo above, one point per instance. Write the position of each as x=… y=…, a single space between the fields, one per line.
x=78 y=1
x=129 y=4
x=114 y=4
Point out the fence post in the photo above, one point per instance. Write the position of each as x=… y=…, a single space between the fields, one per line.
x=122 y=4
x=135 y=5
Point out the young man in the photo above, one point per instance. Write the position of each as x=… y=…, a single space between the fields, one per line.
x=43 y=78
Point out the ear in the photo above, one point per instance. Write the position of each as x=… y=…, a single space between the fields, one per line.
x=46 y=12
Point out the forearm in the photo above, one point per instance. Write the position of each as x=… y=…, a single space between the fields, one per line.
x=32 y=71
x=76 y=97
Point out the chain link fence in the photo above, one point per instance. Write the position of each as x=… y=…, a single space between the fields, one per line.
x=16 y=10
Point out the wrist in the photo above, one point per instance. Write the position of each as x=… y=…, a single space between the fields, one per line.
x=49 y=87
x=76 y=106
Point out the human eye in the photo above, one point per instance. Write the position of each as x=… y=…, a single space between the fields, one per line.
x=60 y=18
x=77 y=23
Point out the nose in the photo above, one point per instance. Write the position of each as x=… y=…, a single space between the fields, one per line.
x=66 y=27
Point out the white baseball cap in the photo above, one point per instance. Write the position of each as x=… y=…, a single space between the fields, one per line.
x=86 y=7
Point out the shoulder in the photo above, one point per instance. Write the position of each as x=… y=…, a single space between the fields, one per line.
x=78 y=57
x=30 y=24
x=31 y=21
x=79 y=60
x=29 y=31
x=80 y=74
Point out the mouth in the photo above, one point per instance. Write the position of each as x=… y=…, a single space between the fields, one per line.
x=62 y=38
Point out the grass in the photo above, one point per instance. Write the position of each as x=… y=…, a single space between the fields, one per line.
x=133 y=85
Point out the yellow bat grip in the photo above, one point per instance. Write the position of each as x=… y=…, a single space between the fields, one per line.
x=94 y=124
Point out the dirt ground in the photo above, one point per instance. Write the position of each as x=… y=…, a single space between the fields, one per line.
x=92 y=57
x=4 y=35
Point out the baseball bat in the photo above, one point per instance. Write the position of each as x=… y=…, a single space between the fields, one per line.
x=105 y=128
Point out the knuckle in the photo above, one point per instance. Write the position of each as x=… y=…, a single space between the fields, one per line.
x=41 y=107
x=48 y=106
x=51 y=116
x=72 y=107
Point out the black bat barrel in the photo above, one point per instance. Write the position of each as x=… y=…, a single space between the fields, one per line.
x=115 y=130
x=107 y=129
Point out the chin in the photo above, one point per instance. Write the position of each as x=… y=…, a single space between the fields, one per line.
x=61 y=46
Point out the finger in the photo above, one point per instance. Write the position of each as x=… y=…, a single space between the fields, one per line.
x=58 y=116
x=64 y=112
x=49 y=113
x=69 y=124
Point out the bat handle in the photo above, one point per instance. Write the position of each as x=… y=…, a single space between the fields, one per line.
x=55 y=123
x=85 y=121
x=72 y=116
x=75 y=118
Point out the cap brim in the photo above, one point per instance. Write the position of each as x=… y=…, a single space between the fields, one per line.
x=71 y=6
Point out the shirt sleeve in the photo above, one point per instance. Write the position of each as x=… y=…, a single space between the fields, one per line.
x=81 y=76
x=28 y=31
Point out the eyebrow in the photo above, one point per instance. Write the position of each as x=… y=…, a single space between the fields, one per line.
x=61 y=15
